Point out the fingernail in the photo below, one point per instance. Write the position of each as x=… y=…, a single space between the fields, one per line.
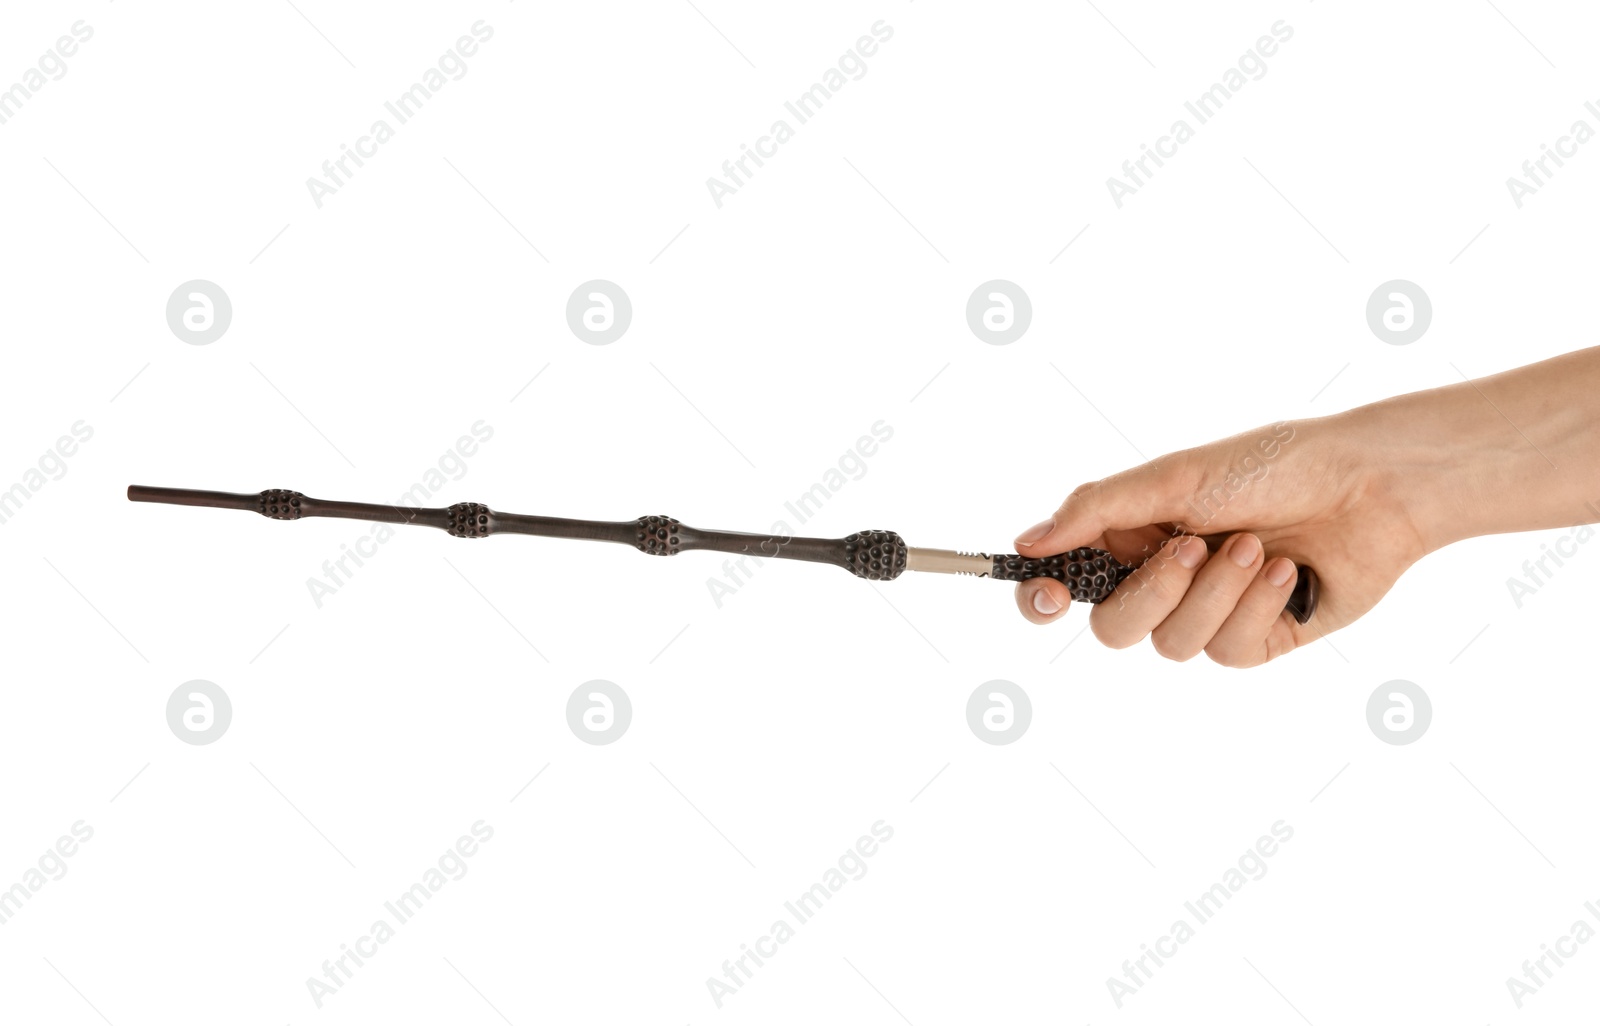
x=1279 y=572
x=1191 y=551
x=1245 y=549
x=1036 y=532
x=1045 y=603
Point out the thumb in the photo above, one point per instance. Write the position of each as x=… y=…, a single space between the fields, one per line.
x=1152 y=493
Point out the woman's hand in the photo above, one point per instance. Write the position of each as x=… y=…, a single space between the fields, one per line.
x=1358 y=496
x=1221 y=531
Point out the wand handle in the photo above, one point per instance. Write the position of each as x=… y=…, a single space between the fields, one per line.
x=1091 y=575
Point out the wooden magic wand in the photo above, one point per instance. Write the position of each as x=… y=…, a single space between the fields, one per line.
x=1089 y=574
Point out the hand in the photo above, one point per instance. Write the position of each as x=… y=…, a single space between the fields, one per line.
x=1221 y=530
x=1360 y=496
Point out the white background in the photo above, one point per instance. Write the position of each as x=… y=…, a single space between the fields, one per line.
x=770 y=733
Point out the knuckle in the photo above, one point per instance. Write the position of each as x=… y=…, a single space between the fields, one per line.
x=1166 y=579
x=1108 y=631
x=1166 y=648
x=1084 y=494
x=1172 y=583
x=1277 y=646
x=1232 y=656
x=1224 y=589
x=1218 y=597
x=1222 y=655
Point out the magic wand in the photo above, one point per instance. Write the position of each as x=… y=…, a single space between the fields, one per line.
x=1089 y=574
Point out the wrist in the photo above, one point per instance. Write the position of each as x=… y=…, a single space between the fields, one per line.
x=1453 y=463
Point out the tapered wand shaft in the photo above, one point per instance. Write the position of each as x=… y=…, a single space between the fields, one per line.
x=869 y=554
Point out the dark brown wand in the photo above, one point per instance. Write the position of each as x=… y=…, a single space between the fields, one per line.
x=1089 y=574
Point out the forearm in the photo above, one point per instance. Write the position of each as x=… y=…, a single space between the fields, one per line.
x=1518 y=451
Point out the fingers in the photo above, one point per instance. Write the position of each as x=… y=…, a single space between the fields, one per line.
x=1229 y=605
x=1125 y=505
x=1143 y=601
x=1210 y=600
x=1256 y=630
x=1151 y=493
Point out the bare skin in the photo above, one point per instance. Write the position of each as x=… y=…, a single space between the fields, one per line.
x=1360 y=496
